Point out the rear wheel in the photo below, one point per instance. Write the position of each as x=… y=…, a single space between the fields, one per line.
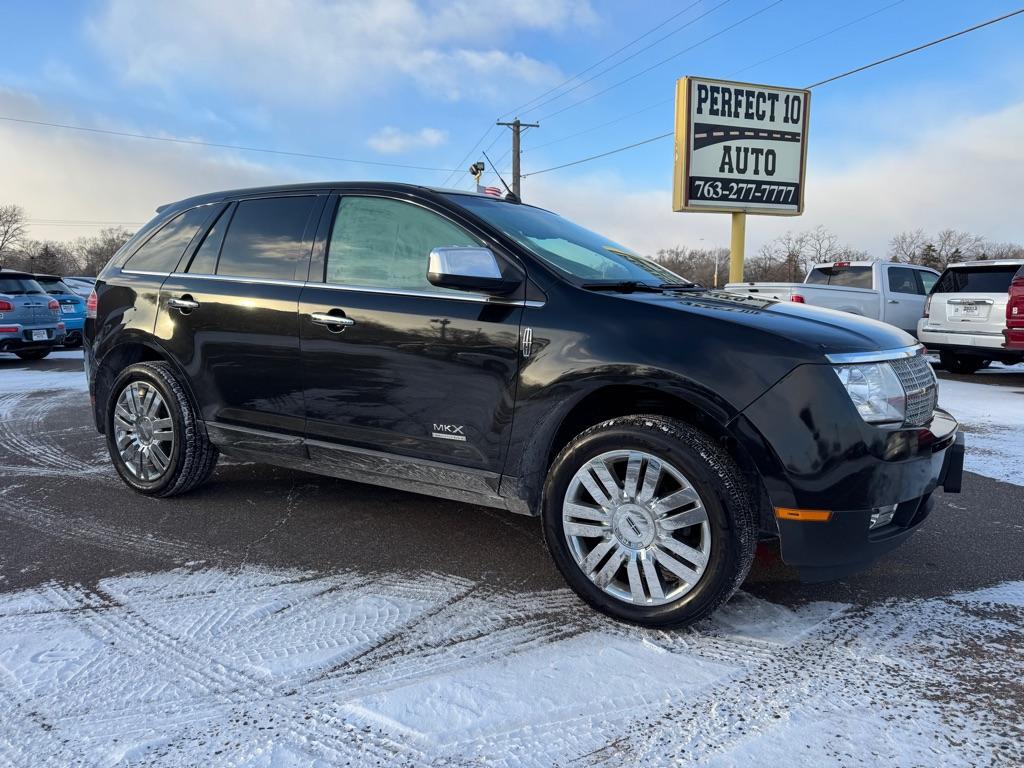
x=154 y=436
x=33 y=354
x=649 y=520
x=963 y=364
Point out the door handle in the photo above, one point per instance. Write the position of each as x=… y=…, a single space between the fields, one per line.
x=185 y=304
x=333 y=323
x=893 y=301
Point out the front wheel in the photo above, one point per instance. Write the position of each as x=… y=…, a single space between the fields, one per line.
x=155 y=439
x=649 y=520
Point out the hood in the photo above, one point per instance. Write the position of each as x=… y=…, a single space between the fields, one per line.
x=819 y=330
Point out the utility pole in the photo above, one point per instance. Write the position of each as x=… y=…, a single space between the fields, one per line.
x=516 y=127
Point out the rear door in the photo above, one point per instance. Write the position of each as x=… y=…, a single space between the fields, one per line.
x=230 y=314
x=972 y=298
x=420 y=371
x=904 y=299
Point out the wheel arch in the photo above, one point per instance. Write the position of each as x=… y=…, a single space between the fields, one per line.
x=128 y=351
x=607 y=401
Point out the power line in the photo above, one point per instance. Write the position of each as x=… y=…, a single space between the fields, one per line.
x=466 y=157
x=813 y=85
x=671 y=99
x=614 y=53
x=236 y=147
x=918 y=48
x=603 y=154
x=631 y=56
x=663 y=61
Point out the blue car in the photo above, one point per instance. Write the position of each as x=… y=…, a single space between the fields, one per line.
x=72 y=307
x=30 y=320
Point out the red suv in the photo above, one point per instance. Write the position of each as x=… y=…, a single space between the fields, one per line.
x=1014 y=332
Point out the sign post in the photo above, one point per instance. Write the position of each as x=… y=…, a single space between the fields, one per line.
x=740 y=148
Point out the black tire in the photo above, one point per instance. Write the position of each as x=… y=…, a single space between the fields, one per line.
x=33 y=354
x=192 y=457
x=962 y=364
x=724 y=494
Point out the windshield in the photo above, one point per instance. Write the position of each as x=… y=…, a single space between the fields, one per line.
x=53 y=286
x=19 y=286
x=850 y=277
x=568 y=247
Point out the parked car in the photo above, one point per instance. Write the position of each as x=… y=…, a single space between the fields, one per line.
x=657 y=428
x=30 y=321
x=892 y=292
x=81 y=285
x=1014 y=331
x=72 y=307
x=966 y=315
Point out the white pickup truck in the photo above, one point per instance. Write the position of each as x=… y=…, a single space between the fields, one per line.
x=888 y=291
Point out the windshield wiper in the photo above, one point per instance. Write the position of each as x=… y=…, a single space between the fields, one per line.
x=623 y=286
x=682 y=287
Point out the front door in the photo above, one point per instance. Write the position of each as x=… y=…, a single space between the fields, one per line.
x=410 y=369
x=230 y=314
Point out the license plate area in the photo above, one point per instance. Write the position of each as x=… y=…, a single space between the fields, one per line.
x=39 y=336
x=67 y=309
x=968 y=310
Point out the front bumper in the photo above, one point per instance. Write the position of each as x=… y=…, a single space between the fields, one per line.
x=815 y=453
x=846 y=543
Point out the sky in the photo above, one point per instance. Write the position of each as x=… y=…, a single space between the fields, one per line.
x=932 y=140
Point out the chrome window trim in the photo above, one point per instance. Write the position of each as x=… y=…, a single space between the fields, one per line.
x=240 y=279
x=144 y=272
x=474 y=297
x=875 y=357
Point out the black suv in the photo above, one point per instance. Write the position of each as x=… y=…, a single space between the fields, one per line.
x=491 y=352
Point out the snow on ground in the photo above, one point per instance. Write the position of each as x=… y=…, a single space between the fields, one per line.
x=257 y=667
x=992 y=418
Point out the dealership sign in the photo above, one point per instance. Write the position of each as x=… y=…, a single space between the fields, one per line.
x=739 y=147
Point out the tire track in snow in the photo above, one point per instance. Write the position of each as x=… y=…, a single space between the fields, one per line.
x=22 y=416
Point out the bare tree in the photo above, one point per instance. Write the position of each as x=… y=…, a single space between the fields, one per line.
x=1003 y=251
x=94 y=252
x=13 y=227
x=906 y=246
x=952 y=245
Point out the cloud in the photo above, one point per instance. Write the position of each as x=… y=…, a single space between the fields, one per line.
x=390 y=140
x=56 y=174
x=298 y=50
x=964 y=172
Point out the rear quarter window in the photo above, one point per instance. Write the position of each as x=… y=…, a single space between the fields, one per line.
x=163 y=250
x=980 y=279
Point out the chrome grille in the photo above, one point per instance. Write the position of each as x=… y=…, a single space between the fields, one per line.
x=918 y=380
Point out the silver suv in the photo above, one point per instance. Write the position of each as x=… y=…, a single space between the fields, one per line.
x=965 y=315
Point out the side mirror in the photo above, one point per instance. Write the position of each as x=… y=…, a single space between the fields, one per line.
x=468 y=269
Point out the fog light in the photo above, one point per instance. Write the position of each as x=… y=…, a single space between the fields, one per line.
x=882 y=516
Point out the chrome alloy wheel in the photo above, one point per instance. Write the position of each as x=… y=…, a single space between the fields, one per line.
x=143 y=431
x=636 y=527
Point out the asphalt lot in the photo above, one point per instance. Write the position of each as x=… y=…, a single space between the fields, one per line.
x=277 y=517
x=275 y=617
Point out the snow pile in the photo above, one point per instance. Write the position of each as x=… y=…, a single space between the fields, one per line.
x=992 y=417
x=258 y=667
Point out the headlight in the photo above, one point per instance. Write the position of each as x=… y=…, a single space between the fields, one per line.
x=875 y=391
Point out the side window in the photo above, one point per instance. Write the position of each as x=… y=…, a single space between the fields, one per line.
x=264 y=238
x=161 y=252
x=928 y=280
x=383 y=243
x=205 y=260
x=902 y=280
